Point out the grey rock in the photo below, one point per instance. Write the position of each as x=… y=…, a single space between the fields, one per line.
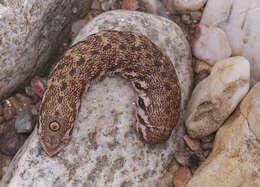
x=105 y=149
x=24 y=121
x=29 y=91
x=31 y=32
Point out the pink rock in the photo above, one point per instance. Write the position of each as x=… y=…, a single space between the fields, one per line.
x=183 y=175
x=38 y=85
x=188 y=5
x=210 y=44
x=129 y=5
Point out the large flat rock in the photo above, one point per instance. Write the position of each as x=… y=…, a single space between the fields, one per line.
x=105 y=149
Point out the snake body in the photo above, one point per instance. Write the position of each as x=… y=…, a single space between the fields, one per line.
x=127 y=54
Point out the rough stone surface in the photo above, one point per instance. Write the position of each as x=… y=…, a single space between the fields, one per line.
x=240 y=20
x=105 y=149
x=216 y=97
x=31 y=32
x=234 y=160
x=210 y=44
x=24 y=121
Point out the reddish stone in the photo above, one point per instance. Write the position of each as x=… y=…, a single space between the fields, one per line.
x=183 y=175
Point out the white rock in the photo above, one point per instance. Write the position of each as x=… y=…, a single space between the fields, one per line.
x=31 y=32
x=210 y=44
x=188 y=5
x=105 y=149
x=216 y=97
x=240 y=21
x=234 y=160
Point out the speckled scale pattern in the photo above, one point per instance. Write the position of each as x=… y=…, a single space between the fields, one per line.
x=128 y=54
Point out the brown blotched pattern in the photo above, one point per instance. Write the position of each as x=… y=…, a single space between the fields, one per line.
x=127 y=54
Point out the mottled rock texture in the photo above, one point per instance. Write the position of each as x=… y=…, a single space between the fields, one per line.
x=216 y=97
x=234 y=160
x=105 y=149
x=31 y=32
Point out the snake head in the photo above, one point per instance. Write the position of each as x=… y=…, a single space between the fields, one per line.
x=56 y=121
x=52 y=140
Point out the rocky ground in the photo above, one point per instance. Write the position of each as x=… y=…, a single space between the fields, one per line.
x=220 y=119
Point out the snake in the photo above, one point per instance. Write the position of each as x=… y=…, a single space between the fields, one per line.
x=127 y=54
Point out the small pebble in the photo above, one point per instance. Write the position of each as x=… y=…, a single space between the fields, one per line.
x=9 y=113
x=210 y=44
x=129 y=4
x=15 y=105
x=188 y=5
x=196 y=15
x=182 y=176
x=38 y=85
x=186 y=19
x=192 y=143
x=29 y=91
x=24 y=121
x=207 y=146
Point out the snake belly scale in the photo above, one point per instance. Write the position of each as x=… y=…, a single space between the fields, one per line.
x=127 y=54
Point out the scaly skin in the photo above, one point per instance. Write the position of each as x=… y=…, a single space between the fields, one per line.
x=127 y=54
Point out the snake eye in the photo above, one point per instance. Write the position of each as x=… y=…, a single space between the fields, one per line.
x=138 y=85
x=54 y=126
